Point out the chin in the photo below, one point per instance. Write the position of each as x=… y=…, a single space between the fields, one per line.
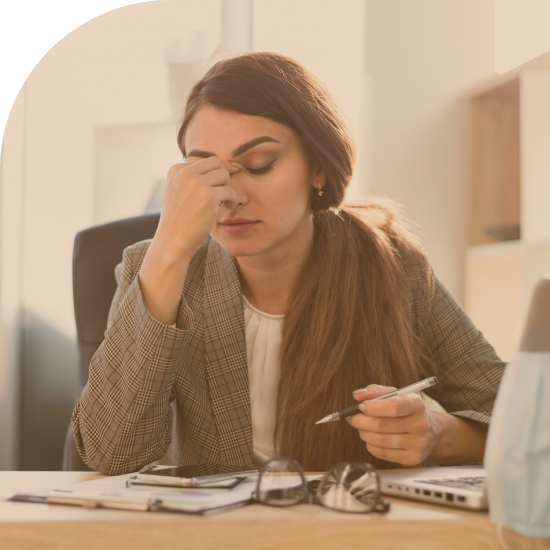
x=239 y=247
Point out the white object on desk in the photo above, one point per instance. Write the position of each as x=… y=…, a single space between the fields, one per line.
x=517 y=455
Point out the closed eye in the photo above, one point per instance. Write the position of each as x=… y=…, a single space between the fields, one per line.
x=264 y=170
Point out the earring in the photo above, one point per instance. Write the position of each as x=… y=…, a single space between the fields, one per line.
x=320 y=191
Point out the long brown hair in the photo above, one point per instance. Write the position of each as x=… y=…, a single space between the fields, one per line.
x=346 y=325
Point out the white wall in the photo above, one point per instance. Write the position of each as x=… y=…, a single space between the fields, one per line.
x=129 y=161
x=109 y=72
x=422 y=57
x=328 y=38
x=521 y=32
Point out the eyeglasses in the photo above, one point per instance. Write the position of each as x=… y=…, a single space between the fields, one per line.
x=347 y=487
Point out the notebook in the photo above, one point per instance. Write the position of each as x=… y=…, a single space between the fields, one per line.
x=111 y=492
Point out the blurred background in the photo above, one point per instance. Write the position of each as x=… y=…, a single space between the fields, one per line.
x=92 y=135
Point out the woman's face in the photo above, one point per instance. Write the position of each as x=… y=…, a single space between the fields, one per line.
x=272 y=213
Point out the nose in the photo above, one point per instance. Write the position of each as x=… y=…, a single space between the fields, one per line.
x=234 y=168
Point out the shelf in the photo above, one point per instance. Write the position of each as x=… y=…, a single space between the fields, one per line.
x=508 y=247
x=508 y=196
x=494 y=163
x=495 y=249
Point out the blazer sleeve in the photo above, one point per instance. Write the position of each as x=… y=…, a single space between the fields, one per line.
x=123 y=419
x=468 y=368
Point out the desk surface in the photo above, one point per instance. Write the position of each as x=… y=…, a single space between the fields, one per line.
x=409 y=524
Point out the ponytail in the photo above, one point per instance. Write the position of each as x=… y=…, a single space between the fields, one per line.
x=346 y=328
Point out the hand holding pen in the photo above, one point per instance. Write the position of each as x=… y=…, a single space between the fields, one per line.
x=356 y=409
x=398 y=429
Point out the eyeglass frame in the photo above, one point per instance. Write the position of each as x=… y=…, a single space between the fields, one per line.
x=311 y=496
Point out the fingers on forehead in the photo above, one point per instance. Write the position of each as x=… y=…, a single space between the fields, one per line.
x=207 y=164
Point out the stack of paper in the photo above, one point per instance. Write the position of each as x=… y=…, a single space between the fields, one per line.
x=112 y=492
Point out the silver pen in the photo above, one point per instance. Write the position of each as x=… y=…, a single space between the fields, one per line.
x=354 y=409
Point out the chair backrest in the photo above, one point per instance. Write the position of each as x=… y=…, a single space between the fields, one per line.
x=97 y=251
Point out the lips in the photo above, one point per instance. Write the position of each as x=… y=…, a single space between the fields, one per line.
x=236 y=221
x=238 y=225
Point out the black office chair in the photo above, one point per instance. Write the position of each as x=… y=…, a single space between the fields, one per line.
x=97 y=251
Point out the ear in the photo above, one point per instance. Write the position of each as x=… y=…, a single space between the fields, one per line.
x=318 y=180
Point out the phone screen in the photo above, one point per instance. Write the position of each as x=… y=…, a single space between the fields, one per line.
x=191 y=471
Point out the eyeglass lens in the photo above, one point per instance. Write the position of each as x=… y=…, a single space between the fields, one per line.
x=350 y=487
x=281 y=483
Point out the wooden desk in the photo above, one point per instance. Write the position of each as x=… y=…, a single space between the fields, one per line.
x=409 y=525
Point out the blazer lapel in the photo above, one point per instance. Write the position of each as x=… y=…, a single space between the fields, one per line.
x=226 y=360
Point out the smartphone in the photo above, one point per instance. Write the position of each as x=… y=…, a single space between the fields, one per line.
x=191 y=476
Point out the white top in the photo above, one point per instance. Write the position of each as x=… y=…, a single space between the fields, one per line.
x=263 y=340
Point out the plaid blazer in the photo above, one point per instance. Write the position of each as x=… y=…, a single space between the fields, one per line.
x=123 y=419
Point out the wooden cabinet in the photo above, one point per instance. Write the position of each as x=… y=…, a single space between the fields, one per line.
x=508 y=236
x=494 y=171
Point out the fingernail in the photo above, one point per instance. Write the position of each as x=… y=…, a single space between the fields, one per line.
x=362 y=390
x=236 y=165
x=348 y=419
x=362 y=407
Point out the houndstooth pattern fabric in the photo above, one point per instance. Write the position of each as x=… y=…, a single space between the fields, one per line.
x=123 y=419
x=468 y=369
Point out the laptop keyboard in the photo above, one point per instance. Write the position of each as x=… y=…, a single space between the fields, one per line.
x=471 y=483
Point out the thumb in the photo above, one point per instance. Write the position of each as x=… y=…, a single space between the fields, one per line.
x=372 y=391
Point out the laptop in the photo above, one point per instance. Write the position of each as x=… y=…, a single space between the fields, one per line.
x=459 y=486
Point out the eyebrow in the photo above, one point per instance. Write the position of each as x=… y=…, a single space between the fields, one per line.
x=238 y=151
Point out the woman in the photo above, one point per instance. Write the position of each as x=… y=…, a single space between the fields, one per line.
x=261 y=303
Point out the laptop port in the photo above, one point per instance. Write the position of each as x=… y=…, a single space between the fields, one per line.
x=427 y=493
x=417 y=491
x=461 y=499
x=449 y=497
x=438 y=495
